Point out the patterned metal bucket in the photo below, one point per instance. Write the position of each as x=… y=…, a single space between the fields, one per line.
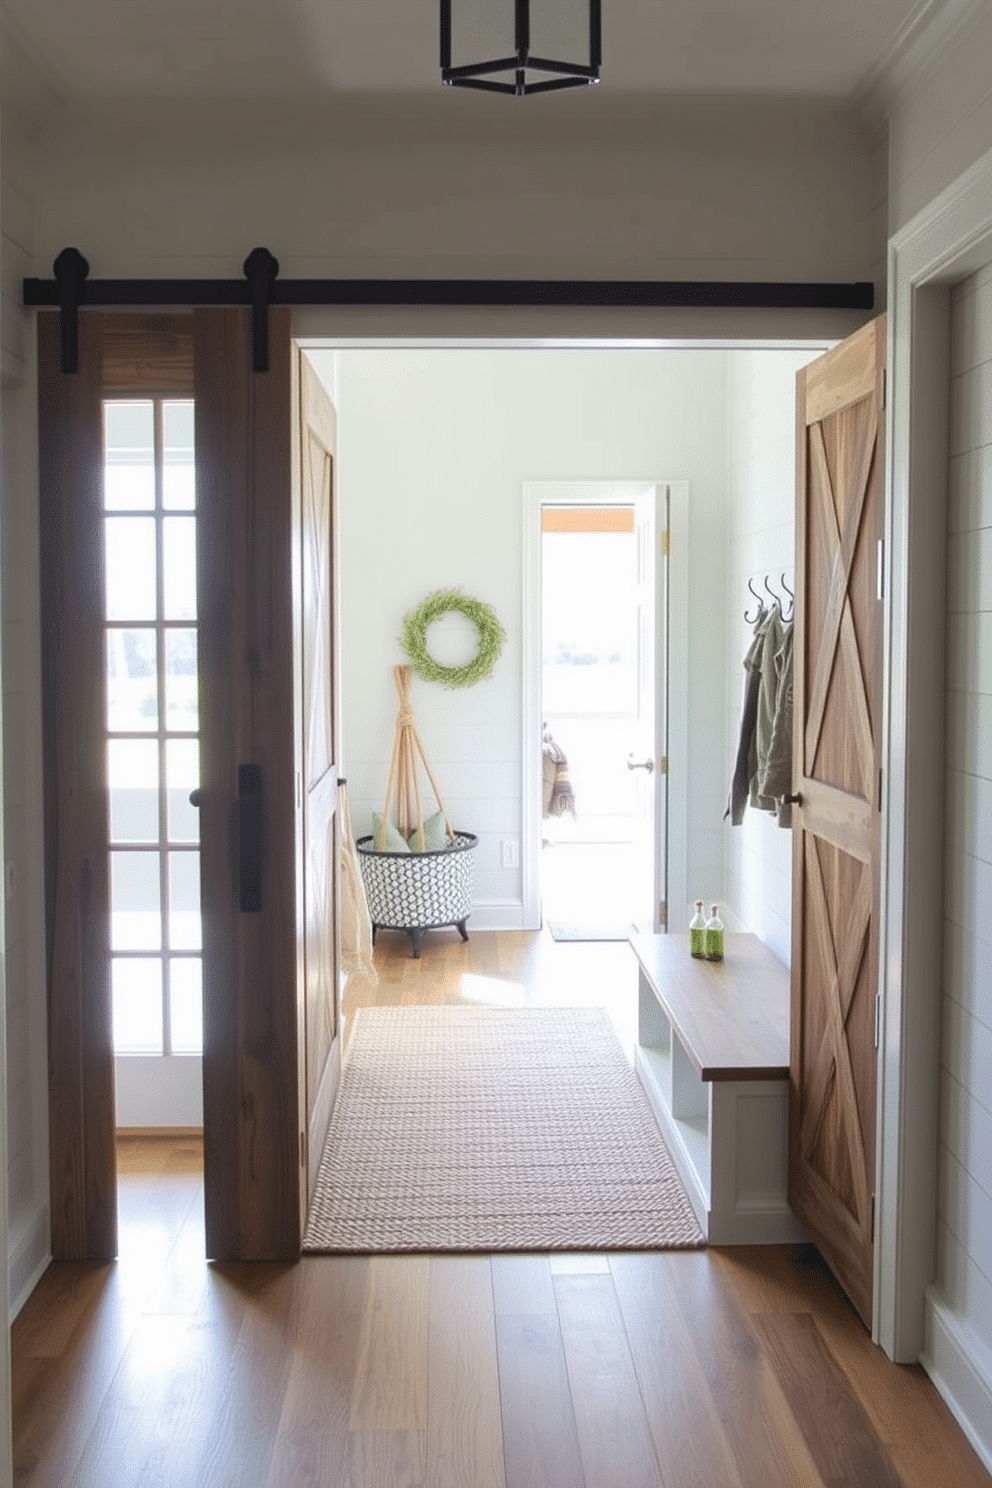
x=417 y=890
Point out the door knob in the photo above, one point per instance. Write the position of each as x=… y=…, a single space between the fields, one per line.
x=196 y=797
x=633 y=764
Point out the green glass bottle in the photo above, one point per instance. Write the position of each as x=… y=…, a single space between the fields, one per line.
x=714 y=937
x=697 y=931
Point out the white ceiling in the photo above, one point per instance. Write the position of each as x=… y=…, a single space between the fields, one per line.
x=96 y=51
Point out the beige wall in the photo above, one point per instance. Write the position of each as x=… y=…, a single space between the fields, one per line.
x=879 y=154
x=452 y=186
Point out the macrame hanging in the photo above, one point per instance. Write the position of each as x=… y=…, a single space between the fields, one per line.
x=404 y=779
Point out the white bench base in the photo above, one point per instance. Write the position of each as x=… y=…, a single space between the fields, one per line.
x=733 y=1158
x=728 y=1136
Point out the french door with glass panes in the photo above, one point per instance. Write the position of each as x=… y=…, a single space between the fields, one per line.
x=149 y=564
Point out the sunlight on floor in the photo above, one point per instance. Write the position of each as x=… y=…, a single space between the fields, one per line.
x=490 y=990
x=578 y=974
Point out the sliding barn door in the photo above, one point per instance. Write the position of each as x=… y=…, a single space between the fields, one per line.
x=837 y=828
x=253 y=1152
x=317 y=763
x=263 y=1087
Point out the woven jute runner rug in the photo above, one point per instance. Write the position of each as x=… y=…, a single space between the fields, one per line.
x=493 y=1129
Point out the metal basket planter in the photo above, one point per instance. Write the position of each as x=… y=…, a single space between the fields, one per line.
x=419 y=891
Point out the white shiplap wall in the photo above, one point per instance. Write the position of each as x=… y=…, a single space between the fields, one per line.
x=27 y=1095
x=964 y=1222
x=761 y=399
x=941 y=120
x=434 y=448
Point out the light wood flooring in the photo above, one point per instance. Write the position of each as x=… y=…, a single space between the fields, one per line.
x=509 y=968
x=737 y=1368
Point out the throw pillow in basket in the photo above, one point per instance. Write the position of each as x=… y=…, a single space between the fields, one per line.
x=435 y=835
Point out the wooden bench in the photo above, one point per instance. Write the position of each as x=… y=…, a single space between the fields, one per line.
x=713 y=1057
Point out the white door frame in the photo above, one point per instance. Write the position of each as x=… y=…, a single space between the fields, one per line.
x=672 y=697
x=949 y=239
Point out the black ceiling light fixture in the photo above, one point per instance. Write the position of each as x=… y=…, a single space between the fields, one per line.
x=520 y=43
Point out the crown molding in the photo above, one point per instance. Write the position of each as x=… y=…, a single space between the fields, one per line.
x=924 y=37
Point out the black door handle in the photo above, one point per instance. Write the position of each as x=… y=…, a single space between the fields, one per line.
x=250 y=838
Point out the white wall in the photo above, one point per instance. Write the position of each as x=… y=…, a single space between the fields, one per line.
x=5 y=1391
x=964 y=1225
x=940 y=124
x=27 y=1093
x=434 y=448
x=941 y=121
x=761 y=499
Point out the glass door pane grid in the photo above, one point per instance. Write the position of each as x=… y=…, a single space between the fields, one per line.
x=166 y=850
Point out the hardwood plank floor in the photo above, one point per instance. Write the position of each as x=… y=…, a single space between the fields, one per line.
x=737 y=1368
x=507 y=968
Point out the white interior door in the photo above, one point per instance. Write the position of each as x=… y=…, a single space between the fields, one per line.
x=610 y=718
x=647 y=761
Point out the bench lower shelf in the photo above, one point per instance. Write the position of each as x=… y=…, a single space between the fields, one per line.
x=733 y=1160
x=712 y=1056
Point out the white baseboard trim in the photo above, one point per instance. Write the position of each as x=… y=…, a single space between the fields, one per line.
x=496 y=914
x=29 y=1254
x=961 y=1371
x=152 y=1092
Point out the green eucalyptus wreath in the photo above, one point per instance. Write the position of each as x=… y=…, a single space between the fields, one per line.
x=414 y=638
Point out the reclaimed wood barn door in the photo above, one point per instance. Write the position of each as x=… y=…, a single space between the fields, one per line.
x=82 y=1159
x=318 y=753
x=253 y=1152
x=837 y=826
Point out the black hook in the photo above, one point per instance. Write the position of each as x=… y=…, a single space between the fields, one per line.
x=260 y=270
x=752 y=619
x=792 y=599
x=774 y=597
x=70 y=270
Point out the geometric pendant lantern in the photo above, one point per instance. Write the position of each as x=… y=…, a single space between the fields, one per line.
x=522 y=44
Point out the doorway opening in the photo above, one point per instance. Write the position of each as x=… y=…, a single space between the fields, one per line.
x=498 y=810
x=595 y=876
x=604 y=705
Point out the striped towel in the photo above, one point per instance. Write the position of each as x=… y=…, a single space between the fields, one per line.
x=559 y=798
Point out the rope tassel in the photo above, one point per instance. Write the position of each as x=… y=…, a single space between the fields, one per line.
x=404 y=780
